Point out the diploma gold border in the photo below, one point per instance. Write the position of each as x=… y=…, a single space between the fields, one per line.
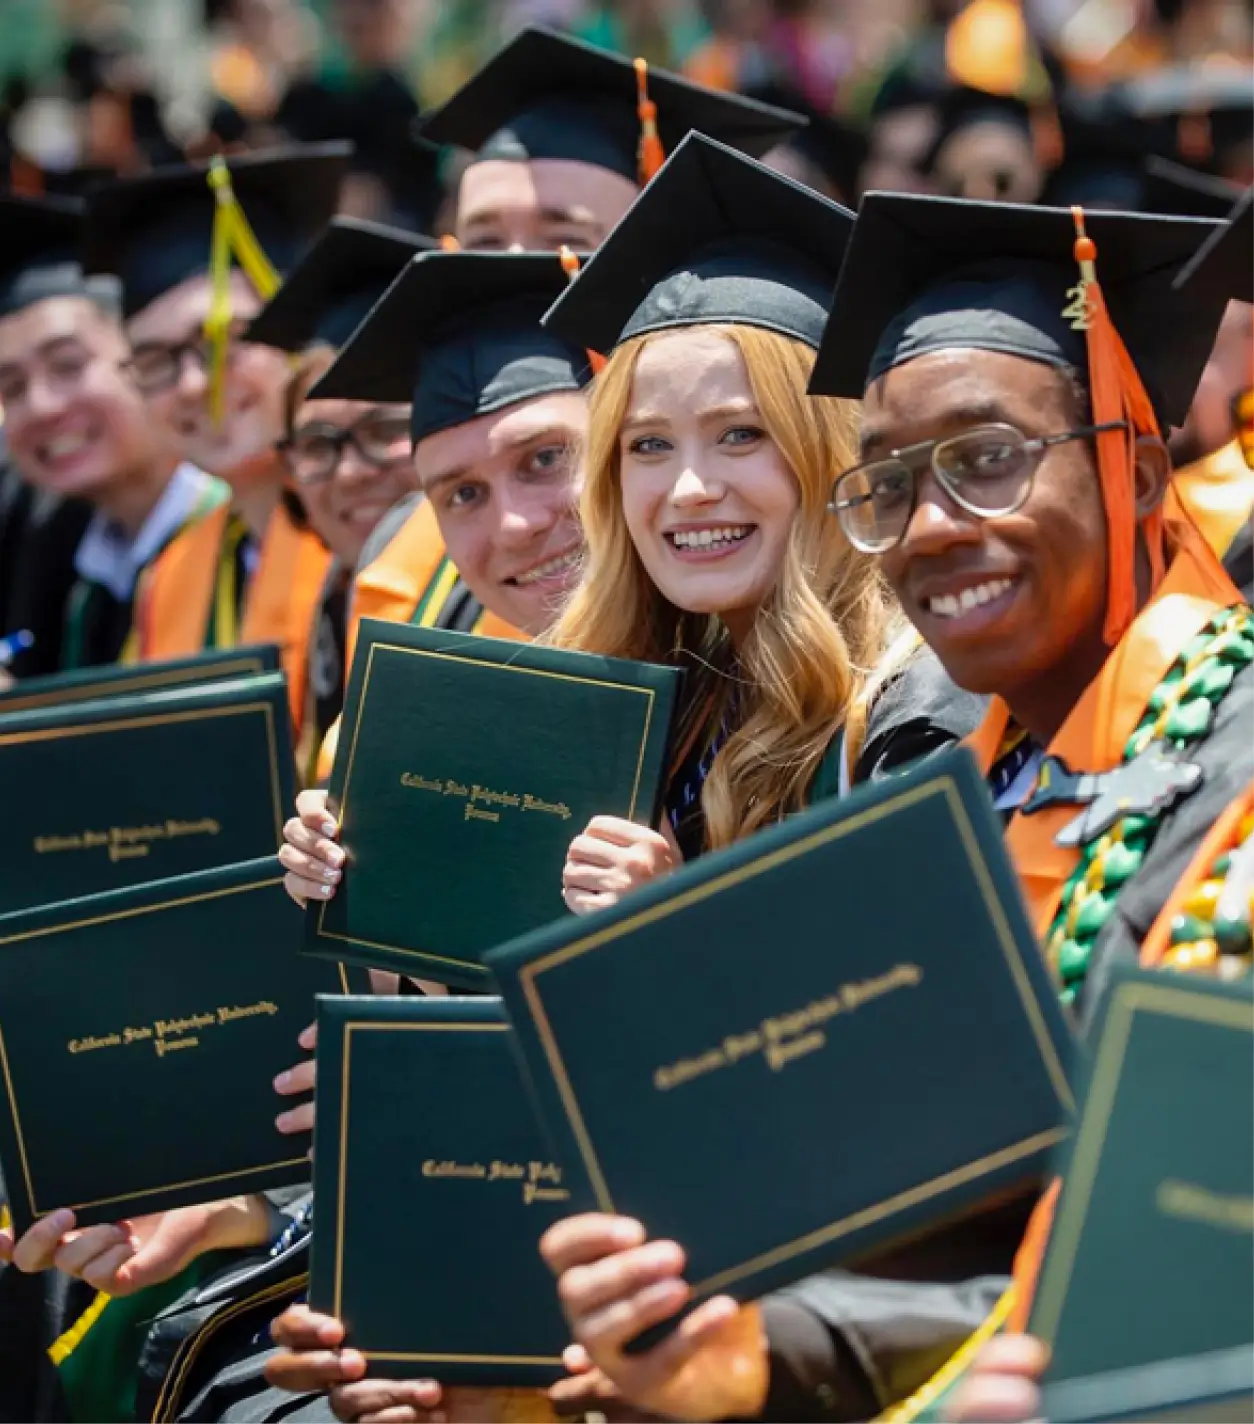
x=1131 y=999
x=435 y=960
x=944 y=786
x=373 y=1026
x=126 y=724
x=141 y=682
x=65 y=928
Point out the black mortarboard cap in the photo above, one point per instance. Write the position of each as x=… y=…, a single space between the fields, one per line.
x=154 y=230
x=964 y=107
x=546 y=95
x=927 y=274
x=716 y=237
x=334 y=284
x=39 y=257
x=1226 y=256
x=1193 y=111
x=458 y=334
x=836 y=146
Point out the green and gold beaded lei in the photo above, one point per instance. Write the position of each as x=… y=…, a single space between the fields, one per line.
x=1179 y=714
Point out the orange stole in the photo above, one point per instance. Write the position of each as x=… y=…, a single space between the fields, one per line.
x=1093 y=737
x=392 y=587
x=279 y=606
x=1218 y=492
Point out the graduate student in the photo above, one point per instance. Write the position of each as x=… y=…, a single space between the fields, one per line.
x=1014 y=482
x=497 y=420
x=347 y=462
x=76 y=428
x=564 y=135
x=705 y=514
x=246 y=574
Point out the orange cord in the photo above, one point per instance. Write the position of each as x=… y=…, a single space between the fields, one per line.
x=570 y=265
x=652 y=155
x=1118 y=395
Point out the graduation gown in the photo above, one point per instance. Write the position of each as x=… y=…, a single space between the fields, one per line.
x=198 y=595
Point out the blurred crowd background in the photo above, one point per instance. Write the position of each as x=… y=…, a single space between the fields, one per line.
x=975 y=96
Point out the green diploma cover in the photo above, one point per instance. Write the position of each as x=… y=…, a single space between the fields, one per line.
x=465 y=767
x=140 y=1033
x=141 y=787
x=433 y=1185
x=124 y=680
x=800 y=1049
x=1146 y=1294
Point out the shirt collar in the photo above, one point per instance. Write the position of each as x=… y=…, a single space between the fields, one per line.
x=106 y=555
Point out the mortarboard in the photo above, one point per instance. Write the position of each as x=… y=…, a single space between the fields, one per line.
x=458 y=335
x=834 y=145
x=334 y=284
x=715 y=237
x=39 y=254
x=924 y=274
x=1226 y=252
x=154 y=230
x=1193 y=112
x=546 y=95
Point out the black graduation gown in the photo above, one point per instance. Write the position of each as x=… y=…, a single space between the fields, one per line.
x=39 y=536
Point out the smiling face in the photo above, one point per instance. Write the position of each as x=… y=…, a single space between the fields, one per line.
x=344 y=508
x=708 y=499
x=503 y=488
x=256 y=378
x=1006 y=603
x=73 y=421
x=539 y=206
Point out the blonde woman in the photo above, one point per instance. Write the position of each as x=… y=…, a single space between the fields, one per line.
x=707 y=477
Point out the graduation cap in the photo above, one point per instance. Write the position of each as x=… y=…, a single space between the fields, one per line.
x=458 y=335
x=1090 y=293
x=1193 y=112
x=39 y=242
x=1226 y=253
x=335 y=283
x=154 y=230
x=716 y=237
x=834 y=146
x=546 y=95
x=925 y=273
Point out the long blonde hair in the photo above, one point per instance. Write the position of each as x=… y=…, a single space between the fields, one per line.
x=802 y=673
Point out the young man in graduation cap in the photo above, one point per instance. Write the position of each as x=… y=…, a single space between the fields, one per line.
x=347 y=462
x=1018 y=367
x=245 y=574
x=564 y=135
x=75 y=428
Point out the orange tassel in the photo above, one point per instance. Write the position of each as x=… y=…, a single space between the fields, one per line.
x=1117 y=394
x=448 y=243
x=570 y=265
x=1194 y=138
x=652 y=155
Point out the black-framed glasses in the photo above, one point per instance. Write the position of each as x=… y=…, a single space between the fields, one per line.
x=987 y=470
x=156 y=366
x=313 y=452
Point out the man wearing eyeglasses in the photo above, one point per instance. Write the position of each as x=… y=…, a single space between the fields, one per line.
x=1018 y=367
x=76 y=429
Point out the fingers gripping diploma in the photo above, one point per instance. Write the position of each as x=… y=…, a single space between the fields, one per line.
x=611 y=858
x=296 y=1082
x=613 y=1284
x=309 y=854
x=1003 y=1385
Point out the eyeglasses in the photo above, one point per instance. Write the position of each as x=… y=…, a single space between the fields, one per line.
x=987 y=471
x=156 y=366
x=313 y=452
